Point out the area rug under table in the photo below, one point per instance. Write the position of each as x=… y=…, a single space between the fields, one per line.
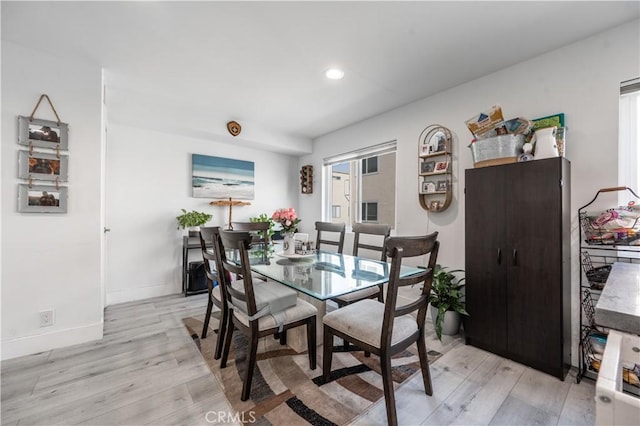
x=285 y=391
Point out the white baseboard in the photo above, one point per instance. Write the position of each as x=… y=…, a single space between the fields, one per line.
x=139 y=293
x=56 y=339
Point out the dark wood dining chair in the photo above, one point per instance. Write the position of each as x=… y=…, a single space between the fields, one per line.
x=370 y=229
x=259 y=235
x=252 y=315
x=259 y=231
x=210 y=244
x=334 y=229
x=376 y=292
x=386 y=329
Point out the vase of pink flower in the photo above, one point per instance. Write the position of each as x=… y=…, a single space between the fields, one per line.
x=288 y=220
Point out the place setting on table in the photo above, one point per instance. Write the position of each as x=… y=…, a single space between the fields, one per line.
x=324 y=275
x=303 y=250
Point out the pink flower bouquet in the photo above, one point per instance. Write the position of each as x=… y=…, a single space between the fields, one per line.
x=287 y=218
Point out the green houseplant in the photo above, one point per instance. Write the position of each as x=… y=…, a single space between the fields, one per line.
x=192 y=219
x=264 y=218
x=447 y=300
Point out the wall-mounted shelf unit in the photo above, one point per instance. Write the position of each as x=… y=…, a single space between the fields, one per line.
x=306 y=179
x=434 y=168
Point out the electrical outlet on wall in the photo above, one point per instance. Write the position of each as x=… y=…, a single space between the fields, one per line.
x=46 y=318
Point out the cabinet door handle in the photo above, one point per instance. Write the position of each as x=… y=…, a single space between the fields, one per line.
x=515 y=257
x=499 y=255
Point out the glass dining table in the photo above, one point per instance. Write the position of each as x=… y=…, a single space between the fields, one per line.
x=321 y=276
x=325 y=275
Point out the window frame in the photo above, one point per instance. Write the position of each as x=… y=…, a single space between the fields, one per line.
x=336 y=208
x=377 y=150
x=365 y=165
x=629 y=137
x=364 y=205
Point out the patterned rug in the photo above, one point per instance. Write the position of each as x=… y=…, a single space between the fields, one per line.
x=286 y=392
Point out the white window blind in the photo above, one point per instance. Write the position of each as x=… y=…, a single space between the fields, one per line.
x=628 y=138
x=380 y=149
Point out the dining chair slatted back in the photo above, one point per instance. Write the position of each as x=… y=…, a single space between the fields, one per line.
x=324 y=228
x=253 y=316
x=239 y=242
x=387 y=329
x=398 y=249
x=259 y=235
x=381 y=231
x=210 y=245
x=374 y=229
x=259 y=231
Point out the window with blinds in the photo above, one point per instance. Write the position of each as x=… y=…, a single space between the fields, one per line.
x=360 y=186
x=629 y=137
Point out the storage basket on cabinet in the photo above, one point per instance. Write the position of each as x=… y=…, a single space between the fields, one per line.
x=501 y=149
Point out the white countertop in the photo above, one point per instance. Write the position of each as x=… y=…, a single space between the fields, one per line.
x=619 y=304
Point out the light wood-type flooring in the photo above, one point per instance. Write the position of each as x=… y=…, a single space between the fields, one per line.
x=147 y=370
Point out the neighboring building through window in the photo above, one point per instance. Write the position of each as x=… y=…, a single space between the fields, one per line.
x=369 y=212
x=369 y=165
x=362 y=186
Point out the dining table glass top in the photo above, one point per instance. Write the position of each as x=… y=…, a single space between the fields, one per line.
x=324 y=275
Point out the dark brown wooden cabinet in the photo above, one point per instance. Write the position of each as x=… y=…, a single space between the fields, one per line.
x=518 y=262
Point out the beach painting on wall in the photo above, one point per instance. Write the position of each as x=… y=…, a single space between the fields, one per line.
x=216 y=177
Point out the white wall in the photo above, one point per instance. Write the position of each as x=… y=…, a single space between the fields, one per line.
x=148 y=182
x=581 y=80
x=54 y=261
x=51 y=261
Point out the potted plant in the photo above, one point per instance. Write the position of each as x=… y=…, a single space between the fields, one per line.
x=264 y=218
x=270 y=232
x=192 y=219
x=446 y=299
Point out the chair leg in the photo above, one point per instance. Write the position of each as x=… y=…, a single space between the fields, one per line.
x=389 y=397
x=311 y=342
x=206 y=319
x=345 y=343
x=251 y=364
x=327 y=353
x=228 y=334
x=424 y=365
x=222 y=326
x=381 y=294
x=283 y=337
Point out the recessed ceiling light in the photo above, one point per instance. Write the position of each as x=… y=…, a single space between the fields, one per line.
x=334 y=73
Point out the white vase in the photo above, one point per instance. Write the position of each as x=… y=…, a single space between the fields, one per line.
x=451 y=323
x=289 y=244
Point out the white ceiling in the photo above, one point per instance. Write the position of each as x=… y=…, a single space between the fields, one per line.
x=197 y=65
